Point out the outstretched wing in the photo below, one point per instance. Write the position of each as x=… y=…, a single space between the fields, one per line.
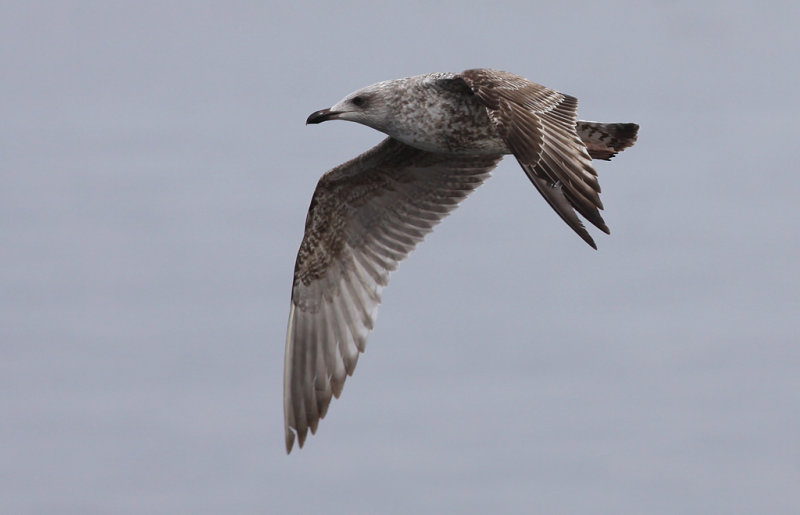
x=539 y=126
x=366 y=215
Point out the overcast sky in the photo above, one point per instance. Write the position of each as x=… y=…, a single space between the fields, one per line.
x=155 y=176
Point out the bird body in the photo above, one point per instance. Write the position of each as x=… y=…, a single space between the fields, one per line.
x=446 y=133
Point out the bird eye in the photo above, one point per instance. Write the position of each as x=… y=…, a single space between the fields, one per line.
x=358 y=101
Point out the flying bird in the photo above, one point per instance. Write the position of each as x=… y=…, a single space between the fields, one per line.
x=447 y=131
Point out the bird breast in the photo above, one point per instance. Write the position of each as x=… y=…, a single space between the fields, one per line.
x=449 y=122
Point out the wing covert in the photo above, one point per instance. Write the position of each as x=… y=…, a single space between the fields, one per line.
x=539 y=126
x=365 y=216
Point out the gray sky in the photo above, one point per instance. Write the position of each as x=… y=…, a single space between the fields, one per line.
x=156 y=174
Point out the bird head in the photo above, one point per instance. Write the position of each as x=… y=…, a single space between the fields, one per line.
x=370 y=106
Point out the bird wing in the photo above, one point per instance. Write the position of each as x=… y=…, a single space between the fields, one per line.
x=539 y=126
x=366 y=215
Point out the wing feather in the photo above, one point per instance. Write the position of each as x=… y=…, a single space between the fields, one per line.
x=365 y=216
x=539 y=126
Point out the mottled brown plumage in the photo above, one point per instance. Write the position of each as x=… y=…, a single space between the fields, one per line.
x=446 y=133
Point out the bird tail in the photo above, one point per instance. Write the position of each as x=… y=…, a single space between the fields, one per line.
x=604 y=140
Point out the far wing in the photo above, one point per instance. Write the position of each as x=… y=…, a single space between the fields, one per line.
x=539 y=126
x=366 y=215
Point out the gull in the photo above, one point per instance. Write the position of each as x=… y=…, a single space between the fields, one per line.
x=446 y=132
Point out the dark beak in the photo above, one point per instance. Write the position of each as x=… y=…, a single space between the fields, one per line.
x=321 y=115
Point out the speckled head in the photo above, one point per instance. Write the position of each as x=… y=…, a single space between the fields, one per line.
x=371 y=106
x=424 y=111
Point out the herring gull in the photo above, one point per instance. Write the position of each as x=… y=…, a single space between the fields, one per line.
x=447 y=131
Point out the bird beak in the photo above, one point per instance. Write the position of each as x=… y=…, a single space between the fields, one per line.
x=322 y=115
